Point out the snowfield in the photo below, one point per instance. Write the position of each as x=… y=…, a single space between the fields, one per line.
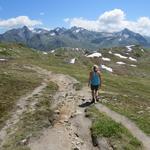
x=107 y=68
x=133 y=65
x=45 y=53
x=132 y=59
x=120 y=63
x=52 y=51
x=72 y=61
x=52 y=34
x=106 y=59
x=129 y=47
x=2 y=59
x=121 y=56
x=110 y=52
x=95 y=55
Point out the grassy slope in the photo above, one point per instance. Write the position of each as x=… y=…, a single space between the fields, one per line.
x=131 y=84
x=132 y=100
x=33 y=122
x=117 y=136
x=15 y=81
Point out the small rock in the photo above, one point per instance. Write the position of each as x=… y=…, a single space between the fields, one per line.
x=103 y=144
x=148 y=108
x=66 y=95
x=78 y=143
x=57 y=111
x=83 y=99
x=76 y=148
x=66 y=121
x=125 y=95
x=94 y=140
x=19 y=106
x=140 y=112
x=24 y=141
x=76 y=134
x=115 y=146
x=115 y=99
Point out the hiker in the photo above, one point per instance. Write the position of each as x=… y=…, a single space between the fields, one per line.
x=95 y=82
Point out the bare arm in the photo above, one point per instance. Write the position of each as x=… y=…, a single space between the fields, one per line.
x=90 y=77
x=100 y=76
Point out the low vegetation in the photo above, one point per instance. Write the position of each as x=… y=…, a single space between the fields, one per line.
x=33 y=121
x=126 y=90
x=14 y=82
x=130 y=97
x=117 y=136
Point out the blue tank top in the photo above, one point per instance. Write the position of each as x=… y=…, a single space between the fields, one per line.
x=95 y=79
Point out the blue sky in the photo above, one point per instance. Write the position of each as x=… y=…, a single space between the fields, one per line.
x=51 y=13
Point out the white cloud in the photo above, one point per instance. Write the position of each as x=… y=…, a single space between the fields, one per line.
x=66 y=19
x=110 y=21
x=18 y=21
x=42 y=13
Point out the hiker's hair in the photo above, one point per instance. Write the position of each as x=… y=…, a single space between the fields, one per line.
x=94 y=67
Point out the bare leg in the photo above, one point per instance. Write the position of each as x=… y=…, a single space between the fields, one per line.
x=96 y=94
x=93 y=94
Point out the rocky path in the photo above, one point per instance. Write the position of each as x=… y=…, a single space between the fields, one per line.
x=71 y=129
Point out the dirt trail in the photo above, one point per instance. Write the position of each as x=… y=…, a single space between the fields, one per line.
x=71 y=129
x=21 y=106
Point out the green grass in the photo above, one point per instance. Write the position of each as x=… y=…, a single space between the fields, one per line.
x=14 y=82
x=133 y=96
x=118 y=136
x=32 y=122
x=131 y=84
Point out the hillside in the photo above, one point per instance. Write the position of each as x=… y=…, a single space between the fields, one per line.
x=125 y=90
x=74 y=38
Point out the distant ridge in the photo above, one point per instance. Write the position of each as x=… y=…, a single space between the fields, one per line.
x=74 y=37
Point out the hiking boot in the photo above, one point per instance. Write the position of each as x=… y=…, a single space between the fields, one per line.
x=97 y=99
x=93 y=100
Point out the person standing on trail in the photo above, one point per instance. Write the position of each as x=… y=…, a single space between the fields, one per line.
x=95 y=82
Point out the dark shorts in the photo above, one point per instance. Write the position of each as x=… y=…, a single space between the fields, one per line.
x=94 y=87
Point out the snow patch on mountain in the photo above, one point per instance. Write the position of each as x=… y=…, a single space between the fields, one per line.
x=45 y=53
x=129 y=47
x=95 y=55
x=107 y=68
x=121 y=56
x=77 y=30
x=132 y=59
x=2 y=59
x=120 y=63
x=106 y=59
x=58 y=29
x=53 y=34
x=72 y=61
x=110 y=52
x=133 y=65
x=52 y=51
x=125 y=36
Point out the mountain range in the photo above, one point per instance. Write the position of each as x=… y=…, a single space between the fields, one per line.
x=74 y=37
